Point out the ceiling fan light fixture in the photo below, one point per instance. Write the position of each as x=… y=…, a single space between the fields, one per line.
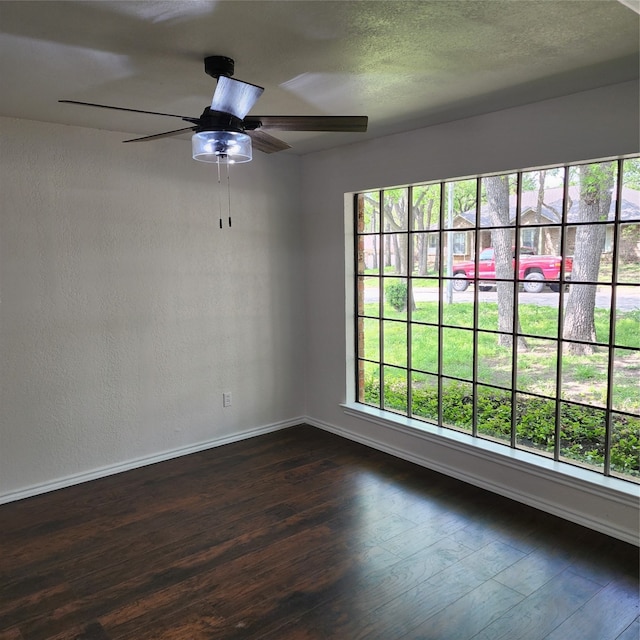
x=223 y=147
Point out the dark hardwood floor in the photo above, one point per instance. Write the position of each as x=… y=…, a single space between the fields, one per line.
x=303 y=535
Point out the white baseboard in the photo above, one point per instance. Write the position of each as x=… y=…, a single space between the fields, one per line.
x=103 y=472
x=567 y=491
x=571 y=488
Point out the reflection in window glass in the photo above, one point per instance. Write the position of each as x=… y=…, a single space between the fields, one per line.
x=457 y=318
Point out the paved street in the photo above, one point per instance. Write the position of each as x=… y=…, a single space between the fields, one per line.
x=628 y=298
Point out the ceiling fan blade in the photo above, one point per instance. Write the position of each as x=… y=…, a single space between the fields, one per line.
x=310 y=123
x=235 y=97
x=153 y=113
x=166 y=134
x=266 y=143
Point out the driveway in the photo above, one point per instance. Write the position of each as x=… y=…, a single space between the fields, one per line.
x=627 y=298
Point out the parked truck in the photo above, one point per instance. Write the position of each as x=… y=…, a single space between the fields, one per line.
x=534 y=271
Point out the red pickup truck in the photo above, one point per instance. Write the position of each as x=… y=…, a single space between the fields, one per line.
x=535 y=271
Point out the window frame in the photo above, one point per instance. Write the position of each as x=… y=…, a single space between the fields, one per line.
x=473 y=234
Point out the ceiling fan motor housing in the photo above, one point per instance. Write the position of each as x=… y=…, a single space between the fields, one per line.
x=211 y=120
x=216 y=66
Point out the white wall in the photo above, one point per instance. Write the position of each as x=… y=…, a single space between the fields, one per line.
x=125 y=311
x=582 y=126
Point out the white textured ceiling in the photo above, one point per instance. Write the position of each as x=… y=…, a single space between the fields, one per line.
x=404 y=64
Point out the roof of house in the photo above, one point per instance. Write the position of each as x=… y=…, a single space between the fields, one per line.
x=551 y=210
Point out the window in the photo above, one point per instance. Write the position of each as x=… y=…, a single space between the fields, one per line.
x=533 y=344
x=530 y=238
x=460 y=243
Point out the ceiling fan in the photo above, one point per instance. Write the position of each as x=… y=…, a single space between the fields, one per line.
x=224 y=133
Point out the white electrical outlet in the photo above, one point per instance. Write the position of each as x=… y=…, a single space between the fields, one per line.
x=226 y=399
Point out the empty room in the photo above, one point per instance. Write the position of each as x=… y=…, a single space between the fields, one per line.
x=319 y=320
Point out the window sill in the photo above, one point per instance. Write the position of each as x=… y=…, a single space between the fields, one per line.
x=562 y=472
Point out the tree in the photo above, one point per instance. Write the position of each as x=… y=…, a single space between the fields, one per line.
x=632 y=173
x=395 y=212
x=464 y=196
x=543 y=238
x=596 y=184
x=497 y=188
x=426 y=198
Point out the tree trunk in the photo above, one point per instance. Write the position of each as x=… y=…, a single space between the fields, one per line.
x=387 y=249
x=375 y=244
x=421 y=249
x=423 y=255
x=596 y=182
x=399 y=255
x=501 y=239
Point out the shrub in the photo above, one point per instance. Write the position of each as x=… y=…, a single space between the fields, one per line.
x=396 y=295
x=582 y=433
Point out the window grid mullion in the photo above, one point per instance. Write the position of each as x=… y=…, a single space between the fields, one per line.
x=612 y=322
x=381 y=295
x=356 y=236
x=515 y=338
x=563 y=242
x=409 y=269
x=441 y=237
x=476 y=295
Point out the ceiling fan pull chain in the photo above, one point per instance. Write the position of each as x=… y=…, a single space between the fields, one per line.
x=229 y=192
x=219 y=196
